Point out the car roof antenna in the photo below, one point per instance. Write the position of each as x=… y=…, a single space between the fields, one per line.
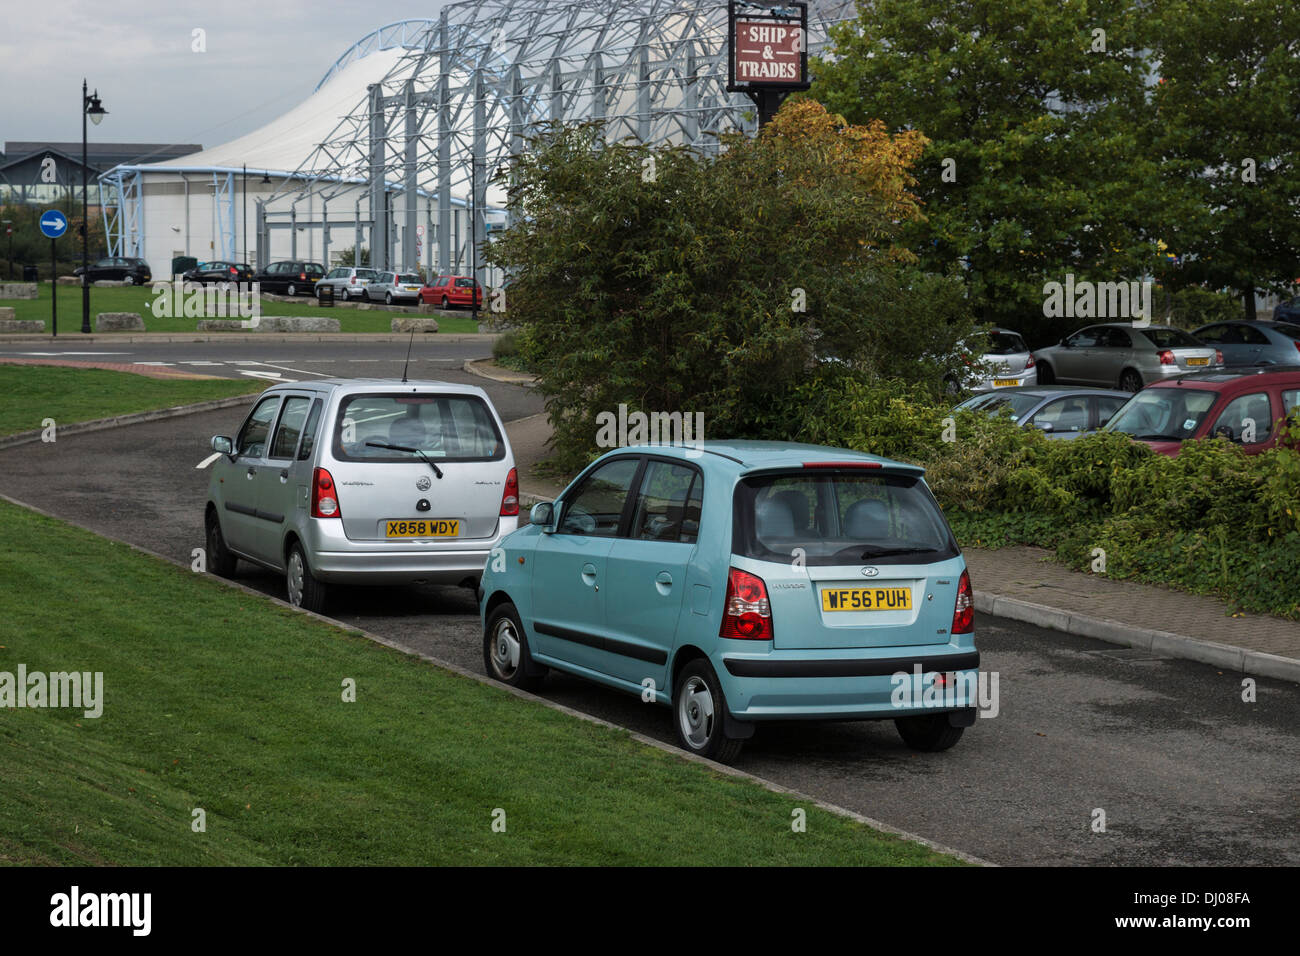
x=408 y=356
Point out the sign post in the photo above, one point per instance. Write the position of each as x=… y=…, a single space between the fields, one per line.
x=54 y=224
x=768 y=55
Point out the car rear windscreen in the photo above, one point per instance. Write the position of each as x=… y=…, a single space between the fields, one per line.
x=993 y=402
x=439 y=426
x=1005 y=343
x=836 y=518
x=1172 y=339
x=410 y=280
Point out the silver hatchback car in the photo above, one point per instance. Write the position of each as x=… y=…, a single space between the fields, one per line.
x=363 y=481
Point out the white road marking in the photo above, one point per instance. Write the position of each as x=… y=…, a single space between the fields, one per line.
x=200 y=363
x=47 y=354
x=207 y=461
x=153 y=363
x=269 y=376
x=300 y=371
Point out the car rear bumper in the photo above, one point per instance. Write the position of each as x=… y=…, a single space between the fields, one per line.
x=338 y=559
x=861 y=683
x=1027 y=377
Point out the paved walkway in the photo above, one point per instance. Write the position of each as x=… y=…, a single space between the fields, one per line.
x=1024 y=584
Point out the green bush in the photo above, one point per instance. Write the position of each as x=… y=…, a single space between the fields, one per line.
x=1193 y=307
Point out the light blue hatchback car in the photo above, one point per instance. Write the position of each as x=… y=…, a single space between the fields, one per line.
x=741 y=582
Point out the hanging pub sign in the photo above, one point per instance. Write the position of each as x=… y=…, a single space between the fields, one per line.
x=768 y=52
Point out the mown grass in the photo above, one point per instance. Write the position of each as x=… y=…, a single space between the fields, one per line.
x=33 y=393
x=140 y=299
x=223 y=701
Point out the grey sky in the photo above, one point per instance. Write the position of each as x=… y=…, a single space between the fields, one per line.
x=262 y=58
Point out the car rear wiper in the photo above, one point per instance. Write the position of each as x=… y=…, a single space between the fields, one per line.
x=882 y=552
x=414 y=451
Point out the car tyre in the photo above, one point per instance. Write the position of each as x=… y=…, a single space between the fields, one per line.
x=1130 y=381
x=445 y=303
x=304 y=590
x=700 y=714
x=128 y=280
x=388 y=298
x=221 y=561
x=291 y=290
x=928 y=732
x=505 y=650
x=1045 y=374
x=951 y=387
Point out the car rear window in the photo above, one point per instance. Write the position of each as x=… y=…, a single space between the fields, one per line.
x=838 y=518
x=1287 y=329
x=1172 y=339
x=410 y=279
x=1004 y=343
x=443 y=427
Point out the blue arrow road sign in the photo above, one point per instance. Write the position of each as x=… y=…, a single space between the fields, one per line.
x=54 y=223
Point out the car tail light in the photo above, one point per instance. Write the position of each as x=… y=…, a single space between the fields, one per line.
x=1167 y=358
x=963 y=612
x=1297 y=345
x=1029 y=363
x=234 y=271
x=352 y=281
x=1218 y=357
x=747 y=614
x=510 y=497
x=302 y=275
x=324 y=496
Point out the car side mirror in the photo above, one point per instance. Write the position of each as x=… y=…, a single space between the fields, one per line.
x=1104 y=422
x=1225 y=431
x=542 y=515
x=1044 y=426
x=1064 y=343
x=223 y=445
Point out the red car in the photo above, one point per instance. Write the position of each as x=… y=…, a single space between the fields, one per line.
x=446 y=291
x=1246 y=406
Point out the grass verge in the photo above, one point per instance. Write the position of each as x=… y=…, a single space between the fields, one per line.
x=219 y=700
x=36 y=392
x=140 y=299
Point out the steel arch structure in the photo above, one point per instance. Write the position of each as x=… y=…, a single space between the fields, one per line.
x=476 y=82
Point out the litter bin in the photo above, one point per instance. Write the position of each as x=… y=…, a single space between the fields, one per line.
x=30 y=274
x=325 y=295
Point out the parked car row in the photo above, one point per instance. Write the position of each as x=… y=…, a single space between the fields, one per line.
x=1246 y=406
x=659 y=571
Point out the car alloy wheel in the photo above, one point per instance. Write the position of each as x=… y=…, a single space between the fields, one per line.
x=696 y=713
x=291 y=289
x=129 y=280
x=505 y=650
x=1130 y=381
x=444 y=302
x=388 y=298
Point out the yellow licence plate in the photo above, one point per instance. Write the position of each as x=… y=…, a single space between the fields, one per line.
x=1003 y=382
x=867 y=599
x=432 y=528
x=1198 y=361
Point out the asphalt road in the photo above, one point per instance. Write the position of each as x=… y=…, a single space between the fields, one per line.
x=1185 y=771
x=431 y=357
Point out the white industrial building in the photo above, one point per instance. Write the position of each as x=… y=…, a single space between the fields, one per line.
x=396 y=148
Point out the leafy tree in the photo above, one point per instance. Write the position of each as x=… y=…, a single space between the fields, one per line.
x=671 y=283
x=1036 y=164
x=348 y=257
x=1226 y=124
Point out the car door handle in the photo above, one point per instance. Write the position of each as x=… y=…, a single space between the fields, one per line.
x=663 y=582
x=284 y=476
x=589 y=575
x=251 y=472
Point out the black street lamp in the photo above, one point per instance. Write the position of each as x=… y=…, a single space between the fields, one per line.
x=90 y=107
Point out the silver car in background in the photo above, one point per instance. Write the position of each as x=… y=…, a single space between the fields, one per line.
x=1000 y=359
x=363 y=481
x=1058 y=411
x=348 y=282
x=395 y=287
x=1125 y=356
